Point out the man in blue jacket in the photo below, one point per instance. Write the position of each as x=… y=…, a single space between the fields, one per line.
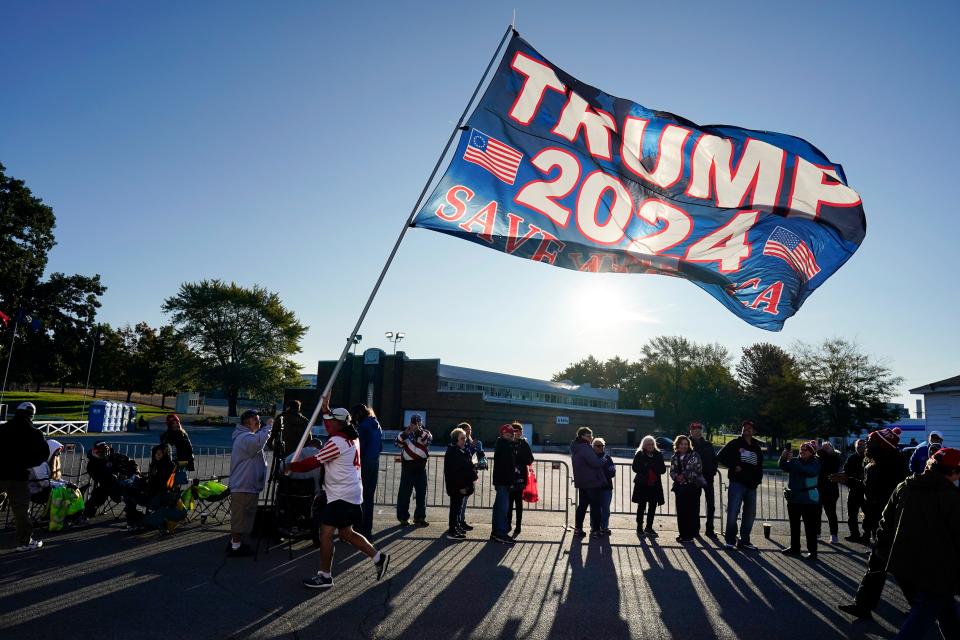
x=371 y=444
x=918 y=461
x=248 y=476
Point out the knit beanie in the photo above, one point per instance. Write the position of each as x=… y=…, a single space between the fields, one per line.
x=889 y=437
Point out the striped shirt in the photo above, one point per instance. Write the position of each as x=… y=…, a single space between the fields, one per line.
x=414 y=447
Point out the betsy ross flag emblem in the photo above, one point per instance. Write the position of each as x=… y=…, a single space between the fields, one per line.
x=499 y=159
x=789 y=247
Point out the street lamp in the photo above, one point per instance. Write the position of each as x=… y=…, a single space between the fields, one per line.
x=395 y=337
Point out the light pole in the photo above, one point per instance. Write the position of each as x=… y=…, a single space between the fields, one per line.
x=356 y=340
x=395 y=337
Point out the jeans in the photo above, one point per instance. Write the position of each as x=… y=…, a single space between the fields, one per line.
x=740 y=495
x=606 y=498
x=688 y=512
x=410 y=480
x=370 y=475
x=18 y=492
x=871 y=584
x=500 y=505
x=516 y=502
x=457 y=501
x=829 y=506
x=810 y=515
x=854 y=504
x=463 y=510
x=925 y=607
x=588 y=498
x=711 y=501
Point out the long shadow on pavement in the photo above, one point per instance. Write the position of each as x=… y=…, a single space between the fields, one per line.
x=592 y=594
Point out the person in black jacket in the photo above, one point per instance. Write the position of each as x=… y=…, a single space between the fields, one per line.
x=743 y=458
x=648 y=465
x=852 y=476
x=176 y=437
x=827 y=487
x=22 y=447
x=708 y=456
x=504 y=475
x=107 y=469
x=152 y=491
x=522 y=458
x=883 y=470
x=459 y=476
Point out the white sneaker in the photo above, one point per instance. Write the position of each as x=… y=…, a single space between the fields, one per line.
x=834 y=539
x=33 y=545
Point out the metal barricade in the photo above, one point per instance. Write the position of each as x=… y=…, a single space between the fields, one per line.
x=72 y=470
x=622 y=503
x=553 y=484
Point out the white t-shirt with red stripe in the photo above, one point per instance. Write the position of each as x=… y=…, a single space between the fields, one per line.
x=341 y=460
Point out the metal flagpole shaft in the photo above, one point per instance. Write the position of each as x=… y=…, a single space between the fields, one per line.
x=13 y=337
x=93 y=349
x=396 y=246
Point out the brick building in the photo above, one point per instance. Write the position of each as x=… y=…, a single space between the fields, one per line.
x=551 y=412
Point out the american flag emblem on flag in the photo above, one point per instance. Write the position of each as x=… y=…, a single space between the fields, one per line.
x=496 y=157
x=789 y=247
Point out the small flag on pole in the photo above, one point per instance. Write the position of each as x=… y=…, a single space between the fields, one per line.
x=789 y=247
x=496 y=157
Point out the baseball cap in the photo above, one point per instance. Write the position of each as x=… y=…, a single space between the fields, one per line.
x=696 y=425
x=506 y=428
x=339 y=414
x=948 y=457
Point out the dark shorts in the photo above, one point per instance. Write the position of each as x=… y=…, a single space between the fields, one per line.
x=340 y=513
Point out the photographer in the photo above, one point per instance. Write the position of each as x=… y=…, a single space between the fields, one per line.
x=414 y=444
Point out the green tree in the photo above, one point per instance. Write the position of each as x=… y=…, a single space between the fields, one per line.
x=774 y=395
x=26 y=236
x=65 y=306
x=178 y=367
x=848 y=388
x=244 y=336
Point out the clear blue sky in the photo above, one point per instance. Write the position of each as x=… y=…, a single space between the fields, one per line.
x=284 y=143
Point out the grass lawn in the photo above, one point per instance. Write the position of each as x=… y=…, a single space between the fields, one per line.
x=66 y=406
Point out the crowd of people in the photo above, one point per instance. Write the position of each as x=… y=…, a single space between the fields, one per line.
x=909 y=504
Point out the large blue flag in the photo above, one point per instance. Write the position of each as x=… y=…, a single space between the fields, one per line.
x=554 y=170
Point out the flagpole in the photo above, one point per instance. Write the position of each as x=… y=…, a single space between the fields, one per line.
x=13 y=337
x=93 y=349
x=396 y=245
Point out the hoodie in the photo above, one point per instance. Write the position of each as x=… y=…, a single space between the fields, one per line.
x=747 y=456
x=920 y=533
x=371 y=441
x=248 y=462
x=40 y=475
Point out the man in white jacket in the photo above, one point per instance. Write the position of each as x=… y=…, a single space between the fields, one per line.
x=248 y=476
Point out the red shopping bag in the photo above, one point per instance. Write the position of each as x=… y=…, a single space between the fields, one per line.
x=530 y=492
